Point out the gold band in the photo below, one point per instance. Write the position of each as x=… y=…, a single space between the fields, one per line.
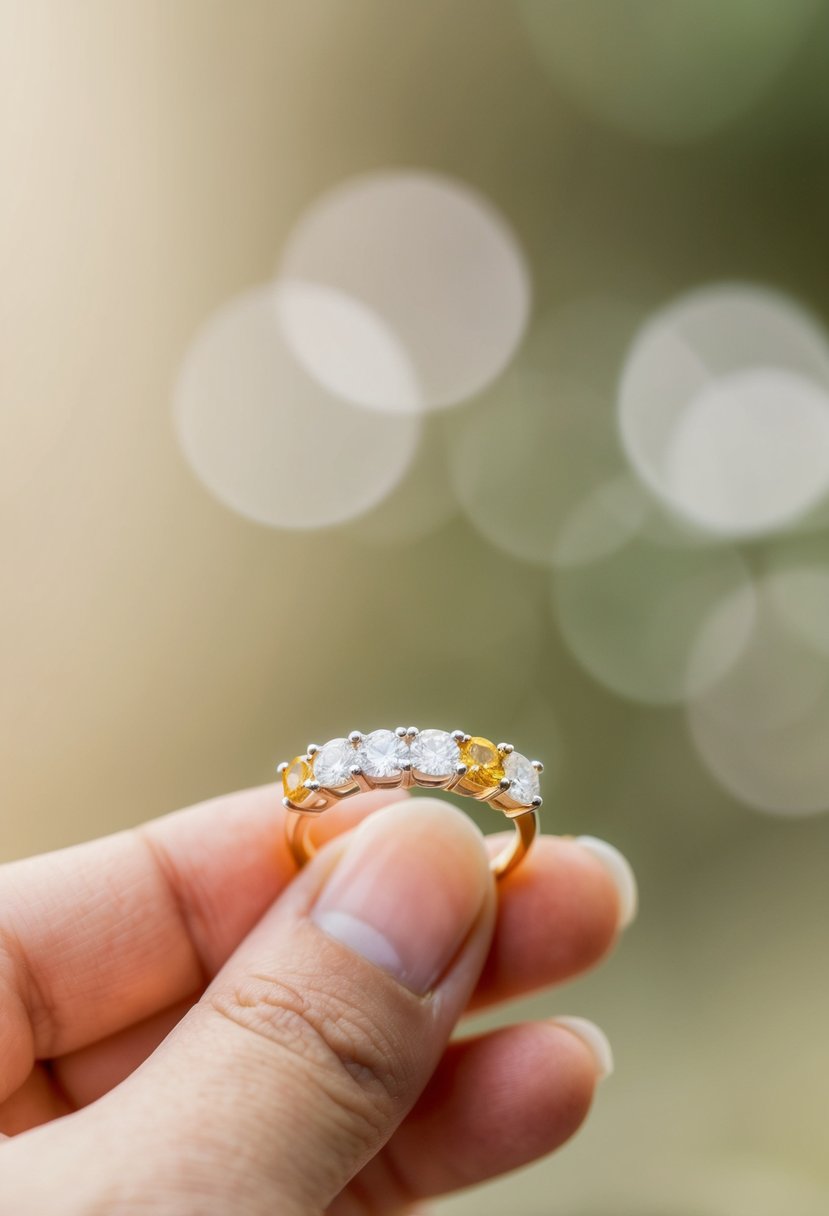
x=526 y=826
x=433 y=759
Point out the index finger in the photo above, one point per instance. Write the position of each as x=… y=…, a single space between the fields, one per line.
x=98 y=936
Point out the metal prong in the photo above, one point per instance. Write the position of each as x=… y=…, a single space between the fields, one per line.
x=355 y=738
x=505 y=748
x=280 y=768
x=400 y=731
x=504 y=784
x=537 y=765
x=411 y=732
x=459 y=736
x=458 y=775
x=286 y=802
x=356 y=770
x=537 y=802
x=486 y=795
x=312 y=785
x=466 y=738
x=405 y=766
x=313 y=748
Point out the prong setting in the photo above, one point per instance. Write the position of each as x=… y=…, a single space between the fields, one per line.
x=432 y=759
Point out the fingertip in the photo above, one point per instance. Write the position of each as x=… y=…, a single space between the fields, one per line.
x=407 y=890
x=593 y=1038
x=621 y=874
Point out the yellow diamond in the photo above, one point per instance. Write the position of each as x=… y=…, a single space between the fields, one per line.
x=294 y=777
x=484 y=763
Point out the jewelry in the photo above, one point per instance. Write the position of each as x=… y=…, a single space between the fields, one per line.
x=433 y=759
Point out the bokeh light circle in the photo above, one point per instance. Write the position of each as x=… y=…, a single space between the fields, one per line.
x=432 y=262
x=669 y=72
x=346 y=346
x=527 y=454
x=762 y=730
x=656 y=625
x=797 y=580
x=724 y=410
x=520 y=461
x=602 y=522
x=268 y=440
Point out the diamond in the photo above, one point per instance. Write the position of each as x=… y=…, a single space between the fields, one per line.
x=525 y=783
x=383 y=754
x=484 y=763
x=333 y=761
x=435 y=753
x=294 y=778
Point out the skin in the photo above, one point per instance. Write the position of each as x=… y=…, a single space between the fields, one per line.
x=178 y=1035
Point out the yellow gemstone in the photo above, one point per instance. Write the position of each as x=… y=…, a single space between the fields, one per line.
x=294 y=777
x=485 y=764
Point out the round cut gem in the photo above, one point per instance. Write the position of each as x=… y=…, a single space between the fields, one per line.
x=294 y=778
x=485 y=764
x=525 y=782
x=435 y=753
x=333 y=761
x=382 y=754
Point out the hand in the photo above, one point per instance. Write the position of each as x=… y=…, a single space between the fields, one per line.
x=188 y=1025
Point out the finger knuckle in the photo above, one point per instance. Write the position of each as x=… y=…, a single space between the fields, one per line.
x=356 y=1064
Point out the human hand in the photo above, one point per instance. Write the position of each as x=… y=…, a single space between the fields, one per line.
x=190 y=1026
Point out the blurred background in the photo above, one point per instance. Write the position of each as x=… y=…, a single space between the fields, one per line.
x=464 y=364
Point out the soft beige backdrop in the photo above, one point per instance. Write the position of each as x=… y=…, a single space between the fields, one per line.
x=158 y=649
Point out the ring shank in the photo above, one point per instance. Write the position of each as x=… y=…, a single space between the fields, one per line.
x=526 y=826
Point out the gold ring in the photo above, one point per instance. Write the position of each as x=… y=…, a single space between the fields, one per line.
x=434 y=759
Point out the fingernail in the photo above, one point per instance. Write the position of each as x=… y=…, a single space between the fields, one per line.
x=594 y=1038
x=620 y=870
x=407 y=889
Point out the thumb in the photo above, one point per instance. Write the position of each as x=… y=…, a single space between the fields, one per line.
x=321 y=1031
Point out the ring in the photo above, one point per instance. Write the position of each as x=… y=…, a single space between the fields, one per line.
x=433 y=759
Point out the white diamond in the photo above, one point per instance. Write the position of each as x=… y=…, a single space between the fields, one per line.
x=382 y=754
x=435 y=753
x=525 y=783
x=333 y=761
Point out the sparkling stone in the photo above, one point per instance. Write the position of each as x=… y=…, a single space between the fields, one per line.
x=435 y=753
x=484 y=763
x=382 y=753
x=294 y=778
x=333 y=761
x=525 y=783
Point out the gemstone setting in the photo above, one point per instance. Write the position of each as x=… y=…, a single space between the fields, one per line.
x=525 y=785
x=294 y=776
x=435 y=759
x=484 y=765
x=333 y=763
x=435 y=753
x=383 y=754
